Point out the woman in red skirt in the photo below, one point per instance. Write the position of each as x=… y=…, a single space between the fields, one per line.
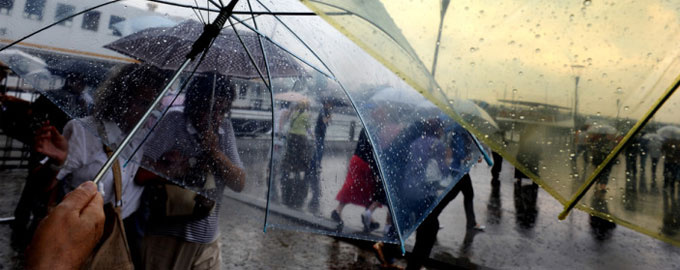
x=362 y=185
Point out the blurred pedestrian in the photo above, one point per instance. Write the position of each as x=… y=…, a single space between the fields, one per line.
x=651 y=147
x=631 y=153
x=297 y=157
x=197 y=148
x=281 y=127
x=32 y=204
x=671 y=164
x=77 y=156
x=362 y=185
x=426 y=234
x=313 y=174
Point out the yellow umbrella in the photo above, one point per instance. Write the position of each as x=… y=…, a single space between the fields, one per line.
x=547 y=70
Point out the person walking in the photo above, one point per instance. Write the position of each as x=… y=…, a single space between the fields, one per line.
x=362 y=185
x=313 y=175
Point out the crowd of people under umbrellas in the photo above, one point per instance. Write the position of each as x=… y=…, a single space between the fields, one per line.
x=202 y=153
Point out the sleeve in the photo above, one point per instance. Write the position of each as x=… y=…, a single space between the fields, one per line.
x=230 y=144
x=77 y=148
x=440 y=152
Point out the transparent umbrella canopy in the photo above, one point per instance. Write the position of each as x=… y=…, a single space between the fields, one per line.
x=296 y=173
x=546 y=71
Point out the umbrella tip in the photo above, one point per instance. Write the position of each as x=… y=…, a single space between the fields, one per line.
x=563 y=215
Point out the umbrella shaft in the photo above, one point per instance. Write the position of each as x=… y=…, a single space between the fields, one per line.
x=139 y=124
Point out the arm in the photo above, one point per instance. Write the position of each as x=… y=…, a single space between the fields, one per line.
x=50 y=142
x=229 y=169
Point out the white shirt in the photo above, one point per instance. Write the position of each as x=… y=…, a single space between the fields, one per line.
x=86 y=156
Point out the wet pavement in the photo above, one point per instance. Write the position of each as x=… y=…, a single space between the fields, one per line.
x=519 y=233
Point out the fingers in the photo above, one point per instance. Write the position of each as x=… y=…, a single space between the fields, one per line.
x=79 y=198
x=94 y=209
x=93 y=214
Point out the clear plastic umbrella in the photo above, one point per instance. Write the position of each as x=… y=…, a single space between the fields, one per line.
x=319 y=136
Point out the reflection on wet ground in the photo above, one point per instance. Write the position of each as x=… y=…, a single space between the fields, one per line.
x=577 y=242
x=522 y=231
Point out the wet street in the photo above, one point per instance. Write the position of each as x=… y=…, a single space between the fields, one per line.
x=519 y=234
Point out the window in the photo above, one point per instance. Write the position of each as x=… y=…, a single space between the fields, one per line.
x=6 y=6
x=114 y=20
x=64 y=11
x=91 y=20
x=34 y=9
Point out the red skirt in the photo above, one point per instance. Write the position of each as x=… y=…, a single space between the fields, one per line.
x=359 y=184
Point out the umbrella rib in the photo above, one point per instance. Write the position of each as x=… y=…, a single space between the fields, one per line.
x=250 y=56
x=57 y=22
x=218 y=5
x=299 y=39
x=283 y=13
x=271 y=97
x=259 y=39
x=284 y=49
x=199 y=15
x=624 y=142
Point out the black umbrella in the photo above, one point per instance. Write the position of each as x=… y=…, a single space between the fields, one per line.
x=166 y=47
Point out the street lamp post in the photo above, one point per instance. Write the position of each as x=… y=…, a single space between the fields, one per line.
x=444 y=7
x=618 y=93
x=577 y=70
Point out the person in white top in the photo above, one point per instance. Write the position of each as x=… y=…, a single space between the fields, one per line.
x=81 y=151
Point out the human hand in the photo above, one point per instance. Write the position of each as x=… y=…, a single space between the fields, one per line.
x=50 y=142
x=209 y=141
x=67 y=236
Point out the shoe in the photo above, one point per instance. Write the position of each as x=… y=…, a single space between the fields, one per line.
x=336 y=217
x=369 y=225
x=479 y=228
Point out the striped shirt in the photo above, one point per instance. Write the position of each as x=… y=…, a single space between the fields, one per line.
x=175 y=132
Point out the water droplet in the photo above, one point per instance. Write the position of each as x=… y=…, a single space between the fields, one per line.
x=625 y=108
x=587 y=2
x=473 y=49
x=619 y=90
x=538 y=50
x=571 y=17
x=514 y=90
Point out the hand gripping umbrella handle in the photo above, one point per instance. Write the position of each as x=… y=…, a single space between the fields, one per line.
x=203 y=42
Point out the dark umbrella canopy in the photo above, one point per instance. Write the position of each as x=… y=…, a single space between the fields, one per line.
x=167 y=47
